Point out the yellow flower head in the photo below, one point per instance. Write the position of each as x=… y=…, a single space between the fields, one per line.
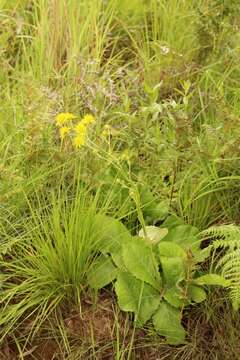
x=79 y=140
x=80 y=128
x=88 y=119
x=64 y=117
x=64 y=131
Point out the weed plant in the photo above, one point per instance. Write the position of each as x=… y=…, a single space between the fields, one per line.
x=161 y=80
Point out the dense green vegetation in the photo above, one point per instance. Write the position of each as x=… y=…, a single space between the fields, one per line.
x=119 y=182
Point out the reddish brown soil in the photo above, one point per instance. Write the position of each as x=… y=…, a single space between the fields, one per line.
x=92 y=332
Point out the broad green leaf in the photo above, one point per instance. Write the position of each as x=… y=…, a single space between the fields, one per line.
x=110 y=235
x=172 y=221
x=196 y=293
x=101 y=273
x=153 y=234
x=173 y=259
x=160 y=211
x=152 y=209
x=169 y=249
x=184 y=235
x=211 y=279
x=140 y=261
x=174 y=296
x=167 y=322
x=117 y=258
x=187 y=237
x=173 y=270
x=136 y=296
x=202 y=254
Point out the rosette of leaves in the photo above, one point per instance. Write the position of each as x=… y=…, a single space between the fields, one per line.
x=153 y=280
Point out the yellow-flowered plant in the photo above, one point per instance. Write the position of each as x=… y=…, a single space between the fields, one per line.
x=62 y=118
x=63 y=131
x=80 y=128
x=80 y=134
x=78 y=141
x=77 y=130
x=88 y=119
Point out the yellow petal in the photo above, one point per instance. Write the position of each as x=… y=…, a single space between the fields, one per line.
x=61 y=118
x=88 y=119
x=78 y=141
x=80 y=128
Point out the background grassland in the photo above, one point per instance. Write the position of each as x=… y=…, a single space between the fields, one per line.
x=163 y=76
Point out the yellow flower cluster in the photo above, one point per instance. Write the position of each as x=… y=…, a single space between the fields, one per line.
x=80 y=134
x=62 y=118
x=88 y=119
x=79 y=130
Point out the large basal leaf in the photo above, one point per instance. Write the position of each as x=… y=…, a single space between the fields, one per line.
x=101 y=273
x=110 y=235
x=167 y=322
x=175 y=297
x=136 y=296
x=140 y=261
x=173 y=270
x=173 y=261
x=212 y=279
x=117 y=258
x=186 y=236
x=169 y=249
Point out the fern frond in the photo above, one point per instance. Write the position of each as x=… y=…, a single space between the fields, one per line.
x=227 y=237
x=229 y=258
x=235 y=297
x=224 y=235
